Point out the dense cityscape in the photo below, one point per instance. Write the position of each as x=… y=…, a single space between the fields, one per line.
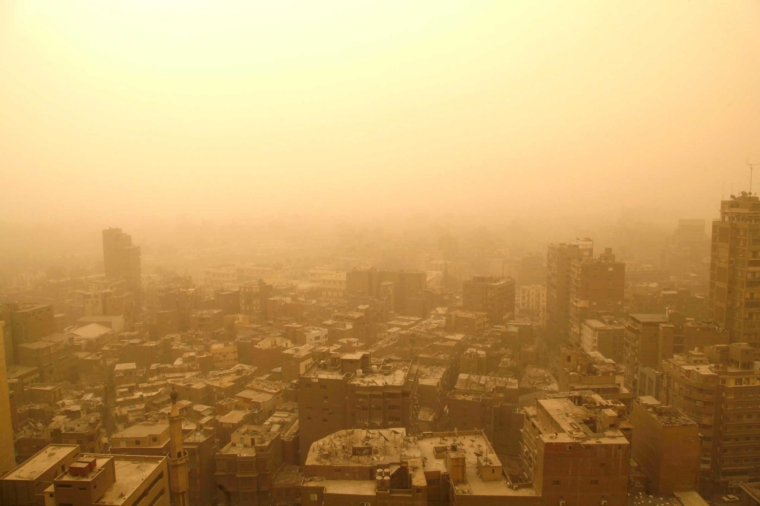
x=379 y=253
x=562 y=377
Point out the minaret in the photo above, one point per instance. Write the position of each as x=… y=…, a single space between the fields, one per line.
x=178 y=480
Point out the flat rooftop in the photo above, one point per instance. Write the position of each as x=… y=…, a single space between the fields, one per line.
x=142 y=430
x=41 y=462
x=650 y=318
x=131 y=471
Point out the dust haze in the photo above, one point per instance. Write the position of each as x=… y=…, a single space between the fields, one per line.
x=547 y=207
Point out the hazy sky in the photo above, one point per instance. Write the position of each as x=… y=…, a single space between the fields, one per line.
x=111 y=110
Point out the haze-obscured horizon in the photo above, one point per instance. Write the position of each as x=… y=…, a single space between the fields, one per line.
x=555 y=117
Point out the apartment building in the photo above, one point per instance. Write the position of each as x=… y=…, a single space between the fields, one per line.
x=354 y=390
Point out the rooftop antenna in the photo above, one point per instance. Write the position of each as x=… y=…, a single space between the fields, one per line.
x=751 y=168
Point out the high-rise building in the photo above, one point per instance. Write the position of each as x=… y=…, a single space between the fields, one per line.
x=7 y=458
x=597 y=286
x=558 y=262
x=717 y=389
x=734 y=293
x=121 y=259
x=641 y=346
x=491 y=295
x=688 y=248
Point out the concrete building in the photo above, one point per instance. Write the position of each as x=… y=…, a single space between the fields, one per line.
x=60 y=475
x=225 y=355
x=596 y=286
x=487 y=403
x=605 y=335
x=401 y=286
x=247 y=466
x=666 y=447
x=490 y=295
x=25 y=323
x=24 y=485
x=121 y=259
x=354 y=390
x=387 y=467
x=641 y=346
x=581 y=370
x=716 y=389
x=531 y=302
x=559 y=258
x=331 y=282
x=128 y=480
x=734 y=290
x=7 y=458
x=573 y=452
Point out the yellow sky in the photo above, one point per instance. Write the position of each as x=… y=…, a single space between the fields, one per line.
x=220 y=108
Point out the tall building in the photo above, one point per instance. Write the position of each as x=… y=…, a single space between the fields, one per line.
x=558 y=283
x=717 y=389
x=531 y=302
x=734 y=292
x=121 y=259
x=688 y=248
x=491 y=295
x=355 y=391
x=641 y=345
x=597 y=286
x=7 y=458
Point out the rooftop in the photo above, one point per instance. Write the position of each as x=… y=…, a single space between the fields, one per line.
x=131 y=471
x=41 y=462
x=649 y=318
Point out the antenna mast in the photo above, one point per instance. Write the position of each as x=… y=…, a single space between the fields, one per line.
x=751 y=168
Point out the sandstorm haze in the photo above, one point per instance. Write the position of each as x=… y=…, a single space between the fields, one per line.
x=379 y=253
x=126 y=112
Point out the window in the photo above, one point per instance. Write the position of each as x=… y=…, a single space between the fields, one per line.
x=555 y=482
x=312 y=497
x=595 y=482
x=323 y=387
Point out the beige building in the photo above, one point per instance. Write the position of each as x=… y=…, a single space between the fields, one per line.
x=717 y=390
x=355 y=391
x=25 y=484
x=573 y=452
x=734 y=292
x=225 y=355
x=386 y=467
x=531 y=301
x=666 y=446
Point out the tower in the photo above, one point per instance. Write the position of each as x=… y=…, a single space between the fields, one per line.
x=178 y=480
x=734 y=293
x=121 y=259
x=7 y=457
